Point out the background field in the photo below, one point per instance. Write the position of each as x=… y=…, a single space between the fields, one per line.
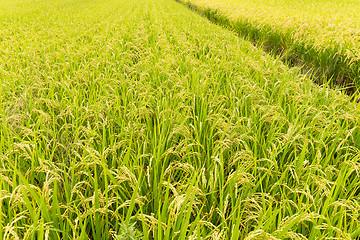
x=322 y=35
x=142 y=120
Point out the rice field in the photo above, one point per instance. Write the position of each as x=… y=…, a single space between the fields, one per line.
x=143 y=120
x=322 y=36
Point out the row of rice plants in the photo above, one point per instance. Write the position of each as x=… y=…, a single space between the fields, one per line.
x=142 y=120
x=321 y=36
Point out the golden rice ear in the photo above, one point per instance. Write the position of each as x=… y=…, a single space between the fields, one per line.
x=260 y=234
x=151 y=222
x=218 y=235
x=9 y=231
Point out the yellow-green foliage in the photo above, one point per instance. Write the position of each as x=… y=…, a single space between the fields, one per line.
x=323 y=34
x=142 y=120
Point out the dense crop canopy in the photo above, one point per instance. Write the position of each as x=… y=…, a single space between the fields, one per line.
x=322 y=35
x=139 y=119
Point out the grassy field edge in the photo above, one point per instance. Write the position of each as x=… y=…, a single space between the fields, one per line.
x=326 y=65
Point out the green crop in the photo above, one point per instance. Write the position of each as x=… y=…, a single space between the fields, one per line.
x=142 y=120
x=322 y=36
